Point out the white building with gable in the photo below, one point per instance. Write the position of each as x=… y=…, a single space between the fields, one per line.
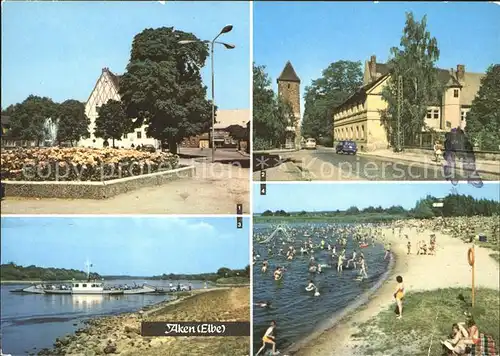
x=106 y=88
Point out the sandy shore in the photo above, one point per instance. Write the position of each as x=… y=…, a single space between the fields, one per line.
x=121 y=334
x=420 y=273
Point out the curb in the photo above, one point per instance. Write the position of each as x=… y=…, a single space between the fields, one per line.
x=420 y=162
x=275 y=151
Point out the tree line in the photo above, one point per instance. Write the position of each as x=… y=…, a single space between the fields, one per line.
x=452 y=205
x=13 y=272
x=161 y=88
x=414 y=60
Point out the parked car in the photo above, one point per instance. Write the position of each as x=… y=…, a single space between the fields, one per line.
x=147 y=148
x=349 y=147
x=310 y=144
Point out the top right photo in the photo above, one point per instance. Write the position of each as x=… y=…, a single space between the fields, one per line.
x=376 y=91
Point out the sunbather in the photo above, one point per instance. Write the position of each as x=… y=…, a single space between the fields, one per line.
x=455 y=344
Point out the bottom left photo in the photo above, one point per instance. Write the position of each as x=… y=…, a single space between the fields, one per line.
x=125 y=285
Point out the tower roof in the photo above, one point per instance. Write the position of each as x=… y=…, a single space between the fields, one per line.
x=288 y=74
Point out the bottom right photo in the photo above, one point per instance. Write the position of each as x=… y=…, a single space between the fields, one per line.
x=376 y=269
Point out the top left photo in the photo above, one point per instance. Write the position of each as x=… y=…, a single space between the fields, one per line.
x=125 y=107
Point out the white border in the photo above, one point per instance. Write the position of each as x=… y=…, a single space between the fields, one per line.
x=141 y=216
x=366 y=181
x=250 y=181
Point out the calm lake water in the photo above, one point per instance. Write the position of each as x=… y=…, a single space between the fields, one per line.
x=296 y=311
x=31 y=322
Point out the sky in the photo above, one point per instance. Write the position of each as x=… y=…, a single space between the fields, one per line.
x=137 y=246
x=314 y=34
x=329 y=197
x=58 y=49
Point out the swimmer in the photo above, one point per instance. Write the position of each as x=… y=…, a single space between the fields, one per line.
x=269 y=339
x=316 y=292
x=303 y=251
x=353 y=259
x=387 y=251
x=278 y=274
x=310 y=286
x=265 y=265
x=362 y=269
x=340 y=263
x=263 y=304
x=319 y=268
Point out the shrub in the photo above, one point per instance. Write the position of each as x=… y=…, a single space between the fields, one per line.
x=81 y=164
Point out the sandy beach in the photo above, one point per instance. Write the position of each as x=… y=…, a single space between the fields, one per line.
x=449 y=268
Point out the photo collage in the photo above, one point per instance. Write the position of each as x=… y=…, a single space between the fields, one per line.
x=240 y=178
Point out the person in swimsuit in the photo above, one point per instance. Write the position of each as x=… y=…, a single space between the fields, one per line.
x=471 y=334
x=362 y=270
x=399 y=295
x=340 y=263
x=310 y=286
x=387 y=251
x=278 y=274
x=408 y=246
x=265 y=265
x=455 y=343
x=353 y=259
x=269 y=339
x=263 y=304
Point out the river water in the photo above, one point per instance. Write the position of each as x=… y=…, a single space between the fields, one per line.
x=31 y=322
x=297 y=312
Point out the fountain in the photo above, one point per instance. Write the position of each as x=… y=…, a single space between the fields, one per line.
x=50 y=127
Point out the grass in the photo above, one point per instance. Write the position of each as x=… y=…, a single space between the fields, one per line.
x=429 y=315
x=218 y=305
x=234 y=280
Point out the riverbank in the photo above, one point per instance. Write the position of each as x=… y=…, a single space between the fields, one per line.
x=448 y=269
x=121 y=334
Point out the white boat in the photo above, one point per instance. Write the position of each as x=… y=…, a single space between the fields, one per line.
x=140 y=290
x=92 y=287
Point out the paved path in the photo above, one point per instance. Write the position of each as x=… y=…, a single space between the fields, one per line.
x=216 y=189
x=324 y=164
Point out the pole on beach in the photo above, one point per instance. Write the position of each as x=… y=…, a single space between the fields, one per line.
x=472 y=262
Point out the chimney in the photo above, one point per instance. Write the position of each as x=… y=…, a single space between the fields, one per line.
x=373 y=67
x=460 y=72
x=105 y=69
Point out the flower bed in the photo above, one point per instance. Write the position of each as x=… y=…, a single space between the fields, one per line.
x=82 y=164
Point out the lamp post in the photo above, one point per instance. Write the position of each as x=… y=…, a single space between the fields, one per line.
x=224 y=30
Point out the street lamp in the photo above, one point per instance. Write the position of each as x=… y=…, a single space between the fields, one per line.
x=224 y=30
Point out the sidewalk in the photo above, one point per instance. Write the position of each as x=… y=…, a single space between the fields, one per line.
x=483 y=166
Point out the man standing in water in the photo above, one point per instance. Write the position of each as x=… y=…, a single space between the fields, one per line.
x=340 y=262
x=353 y=259
x=269 y=339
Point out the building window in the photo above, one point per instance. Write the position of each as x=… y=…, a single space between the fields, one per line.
x=463 y=115
x=84 y=285
x=455 y=93
x=429 y=113
x=288 y=85
x=125 y=135
x=139 y=134
x=436 y=113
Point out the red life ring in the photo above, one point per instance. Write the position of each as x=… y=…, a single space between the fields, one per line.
x=470 y=256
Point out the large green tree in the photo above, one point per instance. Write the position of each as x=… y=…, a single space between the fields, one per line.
x=162 y=86
x=483 y=120
x=271 y=116
x=28 y=119
x=72 y=123
x=112 y=121
x=413 y=62
x=338 y=81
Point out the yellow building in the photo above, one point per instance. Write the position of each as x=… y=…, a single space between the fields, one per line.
x=358 y=118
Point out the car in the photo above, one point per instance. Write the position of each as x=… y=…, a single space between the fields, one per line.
x=310 y=144
x=349 y=147
x=147 y=148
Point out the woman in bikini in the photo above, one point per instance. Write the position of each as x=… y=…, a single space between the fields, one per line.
x=399 y=295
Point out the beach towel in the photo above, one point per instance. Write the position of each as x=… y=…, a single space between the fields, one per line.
x=486 y=347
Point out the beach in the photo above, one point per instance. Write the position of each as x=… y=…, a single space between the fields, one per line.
x=448 y=269
x=121 y=334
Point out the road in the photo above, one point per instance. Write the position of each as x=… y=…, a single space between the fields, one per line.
x=222 y=155
x=216 y=189
x=324 y=164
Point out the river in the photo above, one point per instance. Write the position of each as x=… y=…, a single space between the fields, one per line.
x=297 y=312
x=31 y=322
